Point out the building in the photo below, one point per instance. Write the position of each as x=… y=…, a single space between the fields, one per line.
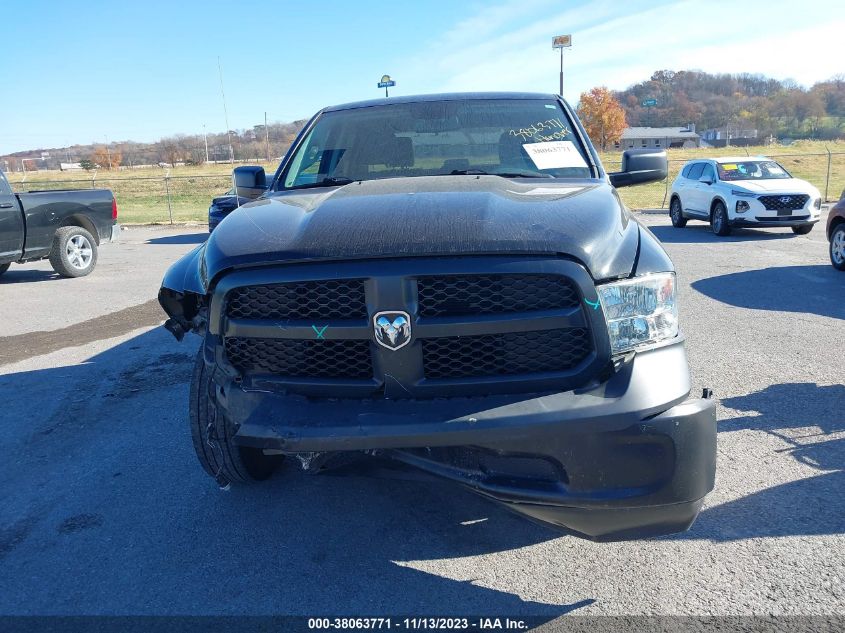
x=659 y=137
x=724 y=136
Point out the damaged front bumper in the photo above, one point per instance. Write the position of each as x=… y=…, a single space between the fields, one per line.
x=628 y=458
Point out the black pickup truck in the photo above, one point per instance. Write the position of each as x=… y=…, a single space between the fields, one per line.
x=65 y=226
x=450 y=281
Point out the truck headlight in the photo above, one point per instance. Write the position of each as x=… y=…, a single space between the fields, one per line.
x=639 y=311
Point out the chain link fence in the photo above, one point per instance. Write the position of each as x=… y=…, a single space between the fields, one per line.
x=149 y=199
x=171 y=199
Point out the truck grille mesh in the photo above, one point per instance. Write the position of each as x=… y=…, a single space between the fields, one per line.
x=789 y=203
x=346 y=358
x=461 y=295
x=332 y=299
x=505 y=354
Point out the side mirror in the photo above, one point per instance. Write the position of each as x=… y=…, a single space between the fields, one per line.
x=640 y=166
x=707 y=181
x=250 y=182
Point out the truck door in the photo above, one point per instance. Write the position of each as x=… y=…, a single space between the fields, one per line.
x=11 y=223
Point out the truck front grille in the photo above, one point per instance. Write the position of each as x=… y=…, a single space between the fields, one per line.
x=784 y=202
x=478 y=326
x=332 y=299
x=301 y=358
x=505 y=354
x=459 y=295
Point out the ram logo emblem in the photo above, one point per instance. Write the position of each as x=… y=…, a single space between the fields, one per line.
x=392 y=329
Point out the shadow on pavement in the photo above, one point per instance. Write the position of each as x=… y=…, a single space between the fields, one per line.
x=106 y=511
x=17 y=275
x=810 y=420
x=805 y=289
x=187 y=238
x=700 y=233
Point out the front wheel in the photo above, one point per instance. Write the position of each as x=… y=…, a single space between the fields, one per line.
x=212 y=435
x=719 y=220
x=837 y=247
x=803 y=229
x=676 y=214
x=74 y=252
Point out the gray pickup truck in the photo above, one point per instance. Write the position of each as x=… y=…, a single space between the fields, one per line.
x=64 y=226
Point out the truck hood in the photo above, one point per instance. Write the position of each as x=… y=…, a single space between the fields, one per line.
x=431 y=216
x=774 y=185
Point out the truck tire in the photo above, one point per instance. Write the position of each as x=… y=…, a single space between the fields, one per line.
x=803 y=229
x=4 y=268
x=719 y=220
x=74 y=252
x=212 y=435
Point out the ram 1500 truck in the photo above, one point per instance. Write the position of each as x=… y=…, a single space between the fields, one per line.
x=450 y=281
x=65 y=226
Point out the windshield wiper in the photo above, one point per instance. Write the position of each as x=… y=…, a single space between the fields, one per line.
x=326 y=182
x=503 y=174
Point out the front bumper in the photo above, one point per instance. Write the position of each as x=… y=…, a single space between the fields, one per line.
x=627 y=458
x=785 y=221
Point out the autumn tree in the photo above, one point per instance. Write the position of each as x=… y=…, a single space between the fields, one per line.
x=602 y=116
x=106 y=158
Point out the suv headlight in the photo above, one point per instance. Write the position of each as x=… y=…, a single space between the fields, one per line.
x=639 y=311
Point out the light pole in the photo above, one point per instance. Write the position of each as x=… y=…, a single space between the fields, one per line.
x=561 y=42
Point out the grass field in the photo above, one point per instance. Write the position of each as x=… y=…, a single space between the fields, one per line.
x=151 y=195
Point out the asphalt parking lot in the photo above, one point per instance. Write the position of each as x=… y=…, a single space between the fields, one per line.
x=105 y=510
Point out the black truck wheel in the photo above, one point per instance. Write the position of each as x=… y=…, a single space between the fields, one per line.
x=212 y=436
x=74 y=252
x=4 y=268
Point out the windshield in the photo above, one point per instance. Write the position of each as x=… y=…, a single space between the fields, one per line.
x=506 y=137
x=752 y=170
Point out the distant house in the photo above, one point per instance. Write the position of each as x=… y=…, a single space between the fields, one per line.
x=659 y=137
x=723 y=136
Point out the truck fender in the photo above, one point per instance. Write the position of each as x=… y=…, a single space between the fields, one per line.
x=182 y=294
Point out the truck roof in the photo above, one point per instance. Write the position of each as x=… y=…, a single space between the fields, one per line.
x=446 y=96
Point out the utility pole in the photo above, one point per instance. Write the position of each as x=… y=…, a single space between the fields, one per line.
x=206 y=142
x=225 y=112
x=267 y=137
x=561 y=42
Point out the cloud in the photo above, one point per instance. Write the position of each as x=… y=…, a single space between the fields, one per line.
x=508 y=47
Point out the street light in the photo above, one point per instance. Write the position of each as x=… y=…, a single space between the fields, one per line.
x=561 y=42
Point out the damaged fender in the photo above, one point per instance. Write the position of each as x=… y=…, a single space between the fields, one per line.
x=183 y=292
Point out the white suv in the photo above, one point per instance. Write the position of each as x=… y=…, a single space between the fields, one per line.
x=743 y=192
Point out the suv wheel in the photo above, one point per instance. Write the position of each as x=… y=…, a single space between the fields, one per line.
x=837 y=247
x=74 y=252
x=212 y=435
x=676 y=213
x=719 y=220
x=803 y=229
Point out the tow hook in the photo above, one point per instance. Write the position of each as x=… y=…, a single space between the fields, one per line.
x=707 y=393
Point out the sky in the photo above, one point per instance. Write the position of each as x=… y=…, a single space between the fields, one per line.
x=83 y=72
